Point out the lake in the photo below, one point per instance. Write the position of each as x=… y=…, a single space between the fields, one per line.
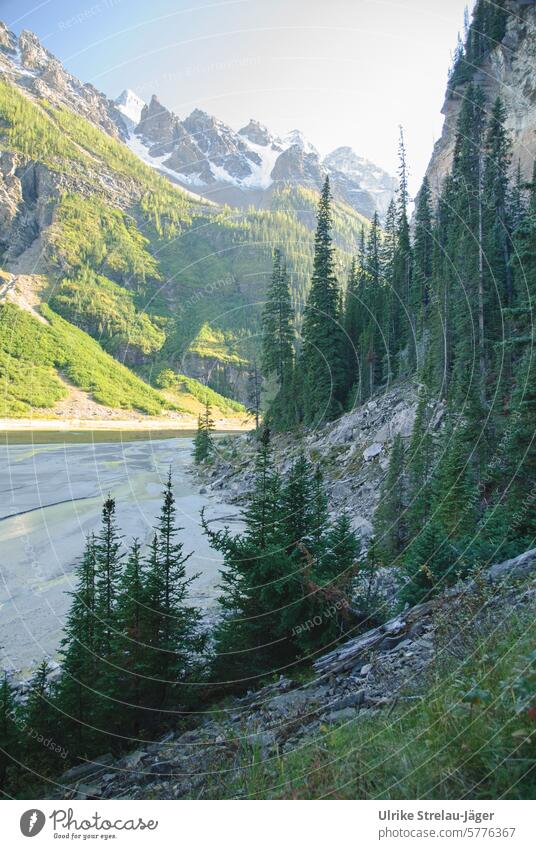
x=51 y=497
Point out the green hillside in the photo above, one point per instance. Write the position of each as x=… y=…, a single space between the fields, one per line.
x=142 y=267
x=34 y=355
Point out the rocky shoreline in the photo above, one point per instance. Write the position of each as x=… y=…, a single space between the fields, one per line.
x=381 y=670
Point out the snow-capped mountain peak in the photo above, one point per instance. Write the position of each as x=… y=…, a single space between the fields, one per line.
x=130 y=105
x=207 y=156
x=297 y=137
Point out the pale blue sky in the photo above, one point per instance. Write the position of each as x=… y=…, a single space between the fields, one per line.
x=345 y=72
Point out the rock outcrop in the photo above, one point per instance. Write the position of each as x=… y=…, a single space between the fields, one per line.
x=354 y=450
x=508 y=71
x=26 y=62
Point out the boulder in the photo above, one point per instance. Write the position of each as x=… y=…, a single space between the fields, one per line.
x=372 y=451
x=82 y=770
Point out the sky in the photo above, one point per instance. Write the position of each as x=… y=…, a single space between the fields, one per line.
x=345 y=72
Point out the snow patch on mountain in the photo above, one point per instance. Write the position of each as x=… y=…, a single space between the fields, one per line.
x=141 y=150
x=130 y=105
x=297 y=137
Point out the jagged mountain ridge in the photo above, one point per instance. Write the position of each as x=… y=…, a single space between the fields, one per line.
x=245 y=167
x=200 y=152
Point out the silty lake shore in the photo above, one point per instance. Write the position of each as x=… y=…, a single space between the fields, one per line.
x=51 y=498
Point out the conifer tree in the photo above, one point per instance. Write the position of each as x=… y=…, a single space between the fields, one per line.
x=127 y=684
x=352 y=319
x=9 y=736
x=298 y=503
x=173 y=625
x=497 y=238
x=524 y=272
x=77 y=697
x=372 y=339
x=277 y=322
x=254 y=393
x=401 y=322
x=40 y=720
x=108 y=567
x=323 y=359
x=282 y=573
x=342 y=548
x=422 y=254
x=203 y=445
x=465 y=239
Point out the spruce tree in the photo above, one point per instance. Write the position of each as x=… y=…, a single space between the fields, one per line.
x=40 y=720
x=298 y=502
x=203 y=445
x=254 y=393
x=277 y=323
x=287 y=576
x=401 y=322
x=108 y=568
x=127 y=684
x=337 y=563
x=352 y=320
x=497 y=241
x=77 y=697
x=173 y=626
x=323 y=360
x=422 y=255
x=10 y=738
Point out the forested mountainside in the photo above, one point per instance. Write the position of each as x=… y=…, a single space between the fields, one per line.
x=162 y=280
x=450 y=307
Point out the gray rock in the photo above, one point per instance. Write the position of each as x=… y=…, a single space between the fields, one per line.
x=132 y=760
x=88 y=791
x=82 y=770
x=372 y=451
x=162 y=768
x=342 y=715
x=353 y=700
x=389 y=643
x=362 y=526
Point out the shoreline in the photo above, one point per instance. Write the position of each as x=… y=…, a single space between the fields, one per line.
x=142 y=424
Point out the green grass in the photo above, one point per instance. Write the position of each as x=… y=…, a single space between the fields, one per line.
x=32 y=353
x=180 y=384
x=473 y=735
x=107 y=312
x=213 y=343
x=26 y=387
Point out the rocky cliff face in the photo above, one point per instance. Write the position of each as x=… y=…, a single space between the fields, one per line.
x=361 y=183
x=508 y=71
